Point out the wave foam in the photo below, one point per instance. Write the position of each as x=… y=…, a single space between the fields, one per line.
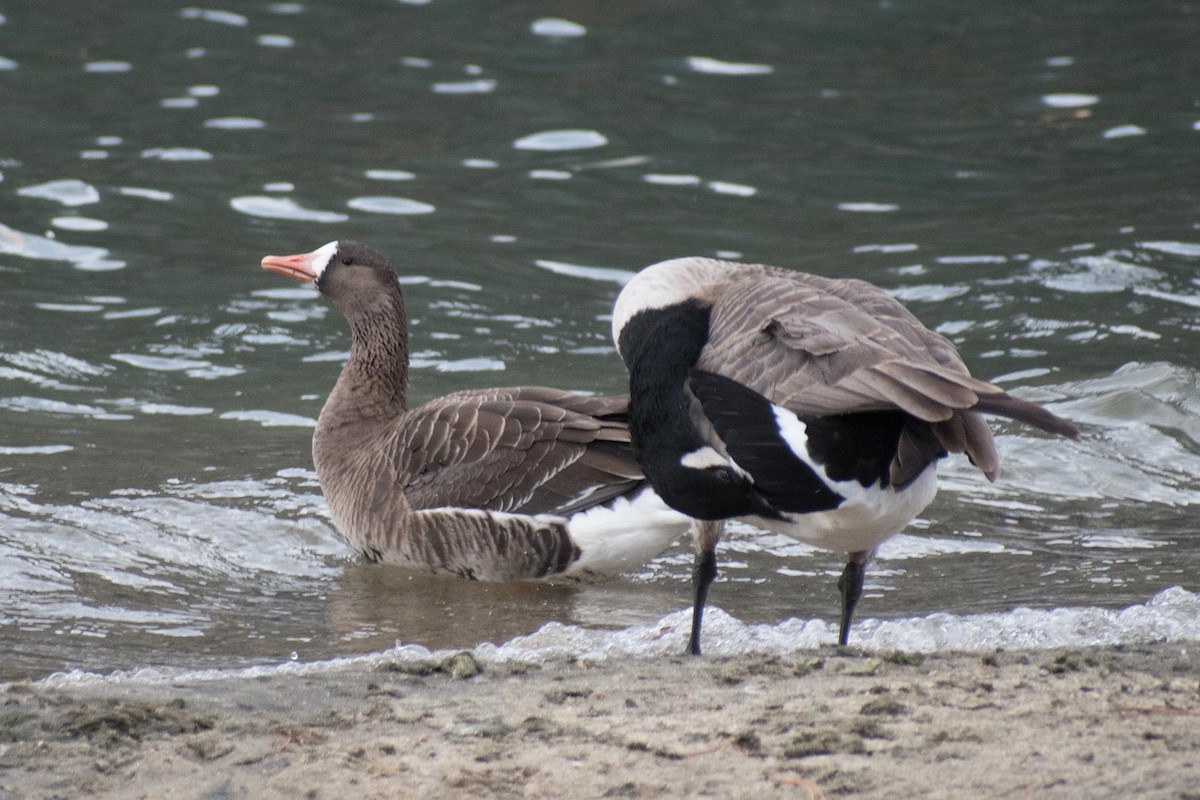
x=1171 y=615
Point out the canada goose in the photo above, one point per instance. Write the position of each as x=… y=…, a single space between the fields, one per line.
x=812 y=406
x=504 y=484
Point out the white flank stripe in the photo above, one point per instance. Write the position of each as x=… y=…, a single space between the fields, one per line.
x=867 y=516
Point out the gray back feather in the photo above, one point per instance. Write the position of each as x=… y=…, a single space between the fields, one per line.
x=820 y=346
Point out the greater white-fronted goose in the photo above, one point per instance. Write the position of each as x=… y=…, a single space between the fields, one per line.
x=504 y=484
x=812 y=406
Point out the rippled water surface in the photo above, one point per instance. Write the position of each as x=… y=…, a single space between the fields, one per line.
x=1026 y=183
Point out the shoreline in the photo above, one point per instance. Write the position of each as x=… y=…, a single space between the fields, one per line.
x=1106 y=721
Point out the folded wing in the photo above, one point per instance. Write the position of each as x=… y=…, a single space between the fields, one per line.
x=530 y=450
x=819 y=347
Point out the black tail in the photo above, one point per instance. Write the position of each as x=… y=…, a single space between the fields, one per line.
x=1005 y=405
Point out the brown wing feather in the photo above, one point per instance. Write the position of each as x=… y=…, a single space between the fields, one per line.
x=525 y=449
x=821 y=346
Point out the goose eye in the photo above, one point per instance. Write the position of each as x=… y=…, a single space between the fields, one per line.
x=347 y=261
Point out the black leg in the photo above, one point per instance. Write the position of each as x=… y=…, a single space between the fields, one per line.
x=851 y=586
x=702 y=577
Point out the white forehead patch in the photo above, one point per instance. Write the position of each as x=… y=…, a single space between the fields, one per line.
x=321 y=258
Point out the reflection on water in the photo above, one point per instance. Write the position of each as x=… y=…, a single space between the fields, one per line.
x=1022 y=183
x=384 y=606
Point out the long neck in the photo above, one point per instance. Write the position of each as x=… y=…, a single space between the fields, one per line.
x=374 y=380
x=660 y=347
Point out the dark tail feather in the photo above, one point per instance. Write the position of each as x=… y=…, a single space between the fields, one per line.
x=918 y=447
x=1005 y=405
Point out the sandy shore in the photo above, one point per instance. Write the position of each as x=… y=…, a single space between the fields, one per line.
x=1095 y=723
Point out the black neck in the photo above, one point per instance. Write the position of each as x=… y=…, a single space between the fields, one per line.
x=661 y=347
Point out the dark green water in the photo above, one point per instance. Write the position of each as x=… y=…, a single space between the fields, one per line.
x=1025 y=180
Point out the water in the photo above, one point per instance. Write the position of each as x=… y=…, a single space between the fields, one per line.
x=1026 y=184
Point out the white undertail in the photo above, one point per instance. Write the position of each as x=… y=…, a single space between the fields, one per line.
x=624 y=534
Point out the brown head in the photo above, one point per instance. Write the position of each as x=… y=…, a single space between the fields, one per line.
x=362 y=285
x=355 y=277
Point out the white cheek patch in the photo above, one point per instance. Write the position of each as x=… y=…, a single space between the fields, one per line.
x=704 y=458
x=321 y=258
x=793 y=432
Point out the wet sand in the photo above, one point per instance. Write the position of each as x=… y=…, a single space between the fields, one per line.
x=1118 y=722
